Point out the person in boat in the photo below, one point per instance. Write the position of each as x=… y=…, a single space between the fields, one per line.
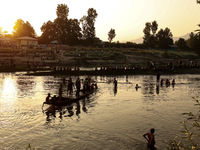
x=70 y=86
x=78 y=87
x=60 y=92
x=86 y=84
x=115 y=83
x=150 y=138
x=54 y=99
x=48 y=98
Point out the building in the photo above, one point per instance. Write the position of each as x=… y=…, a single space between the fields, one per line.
x=27 y=41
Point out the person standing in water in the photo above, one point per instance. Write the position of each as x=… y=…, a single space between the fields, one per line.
x=78 y=86
x=115 y=83
x=150 y=138
x=158 y=77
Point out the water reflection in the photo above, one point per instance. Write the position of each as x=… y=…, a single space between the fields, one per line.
x=67 y=111
x=157 y=89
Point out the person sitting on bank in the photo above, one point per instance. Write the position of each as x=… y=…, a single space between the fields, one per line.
x=150 y=138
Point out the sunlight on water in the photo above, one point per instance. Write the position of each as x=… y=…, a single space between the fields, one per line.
x=9 y=90
x=107 y=119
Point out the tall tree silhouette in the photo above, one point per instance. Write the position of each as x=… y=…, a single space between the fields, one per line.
x=22 y=28
x=111 y=35
x=88 y=28
x=149 y=38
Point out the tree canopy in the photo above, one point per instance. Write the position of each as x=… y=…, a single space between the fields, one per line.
x=62 y=11
x=22 y=28
x=161 y=40
x=65 y=31
x=150 y=34
x=164 y=38
x=88 y=28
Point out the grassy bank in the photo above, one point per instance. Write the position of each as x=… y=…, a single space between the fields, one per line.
x=94 y=57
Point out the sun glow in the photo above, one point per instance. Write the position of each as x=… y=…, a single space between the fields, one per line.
x=127 y=17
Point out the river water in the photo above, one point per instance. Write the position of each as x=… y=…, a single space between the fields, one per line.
x=106 y=120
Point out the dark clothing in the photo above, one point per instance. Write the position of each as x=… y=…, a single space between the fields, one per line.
x=115 y=83
x=78 y=87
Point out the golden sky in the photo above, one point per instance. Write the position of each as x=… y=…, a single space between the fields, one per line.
x=127 y=17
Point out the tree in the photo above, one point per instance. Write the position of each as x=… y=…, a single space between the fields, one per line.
x=181 y=43
x=190 y=41
x=198 y=30
x=111 y=35
x=88 y=28
x=74 y=32
x=48 y=32
x=164 y=38
x=154 y=27
x=22 y=28
x=65 y=31
x=150 y=38
x=62 y=11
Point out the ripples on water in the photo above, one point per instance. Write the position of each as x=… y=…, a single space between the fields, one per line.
x=107 y=119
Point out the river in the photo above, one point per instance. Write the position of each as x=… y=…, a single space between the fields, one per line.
x=107 y=119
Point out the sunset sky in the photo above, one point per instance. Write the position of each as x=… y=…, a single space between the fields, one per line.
x=127 y=17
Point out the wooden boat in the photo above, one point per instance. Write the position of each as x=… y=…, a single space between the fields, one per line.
x=67 y=100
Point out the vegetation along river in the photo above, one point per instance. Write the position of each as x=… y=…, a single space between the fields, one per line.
x=104 y=120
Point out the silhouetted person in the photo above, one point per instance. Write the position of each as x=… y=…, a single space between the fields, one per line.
x=78 y=86
x=48 y=97
x=173 y=82
x=161 y=82
x=158 y=77
x=137 y=86
x=157 y=89
x=70 y=86
x=115 y=83
x=150 y=138
x=60 y=92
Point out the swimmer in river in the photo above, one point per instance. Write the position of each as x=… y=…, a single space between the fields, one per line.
x=150 y=138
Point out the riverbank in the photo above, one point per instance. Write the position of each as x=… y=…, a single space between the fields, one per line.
x=148 y=61
x=114 y=72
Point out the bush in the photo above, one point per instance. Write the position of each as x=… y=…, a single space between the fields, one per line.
x=191 y=131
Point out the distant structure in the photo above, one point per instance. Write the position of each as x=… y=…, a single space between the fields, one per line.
x=27 y=41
